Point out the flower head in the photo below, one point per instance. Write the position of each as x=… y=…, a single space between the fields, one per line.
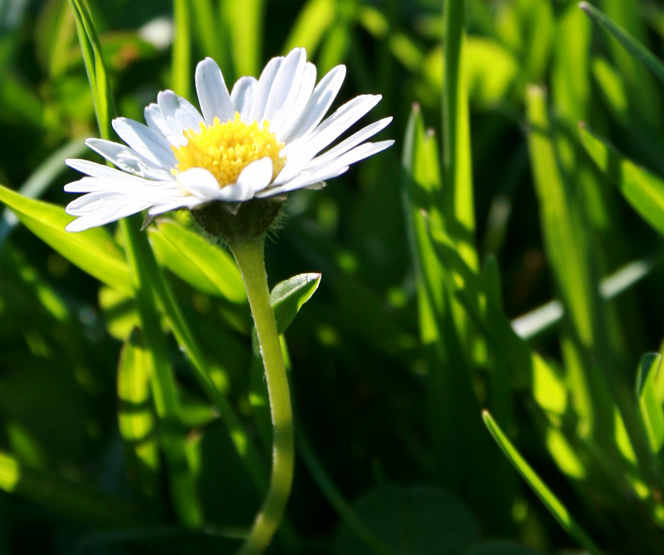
x=264 y=139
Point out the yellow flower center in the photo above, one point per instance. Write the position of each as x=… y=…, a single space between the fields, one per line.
x=225 y=149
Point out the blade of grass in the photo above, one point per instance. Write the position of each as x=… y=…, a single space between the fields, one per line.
x=311 y=25
x=548 y=498
x=651 y=409
x=244 y=22
x=140 y=259
x=136 y=419
x=181 y=65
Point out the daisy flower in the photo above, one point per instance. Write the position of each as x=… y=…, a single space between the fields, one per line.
x=264 y=139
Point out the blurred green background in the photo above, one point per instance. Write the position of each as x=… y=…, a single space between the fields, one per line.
x=408 y=336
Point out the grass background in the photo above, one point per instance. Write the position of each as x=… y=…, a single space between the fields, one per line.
x=491 y=206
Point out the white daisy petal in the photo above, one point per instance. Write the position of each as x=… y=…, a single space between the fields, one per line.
x=289 y=115
x=182 y=202
x=319 y=103
x=178 y=113
x=128 y=160
x=352 y=141
x=242 y=96
x=286 y=83
x=145 y=141
x=155 y=120
x=202 y=184
x=100 y=170
x=212 y=92
x=353 y=156
x=262 y=93
x=299 y=154
x=302 y=182
x=257 y=175
x=111 y=210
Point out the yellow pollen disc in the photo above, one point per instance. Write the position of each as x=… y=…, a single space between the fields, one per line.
x=225 y=149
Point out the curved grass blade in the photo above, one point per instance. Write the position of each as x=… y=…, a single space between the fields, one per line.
x=94 y=250
x=312 y=23
x=649 y=404
x=642 y=189
x=633 y=46
x=551 y=502
x=144 y=272
x=211 y=269
x=40 y=180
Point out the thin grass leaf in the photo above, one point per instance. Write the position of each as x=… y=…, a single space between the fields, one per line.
x=211 y=38
x=642 y=189
x=61 y=496
x=649 y=404
x=94 y=250
x=551 y=502
x=181 y=64
x=94 y=65
x=629 y=42
x=311 y=25
x=142 y=270
x=40 y=180
x=137 y=421
x=244 y=22
x=196 y=261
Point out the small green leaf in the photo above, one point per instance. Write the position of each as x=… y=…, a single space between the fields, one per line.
x=633 y=46
x=288 y=297
x=193 y=259
x=422 y=520
x=642 y=189
x=551 y=502
x=94 y=250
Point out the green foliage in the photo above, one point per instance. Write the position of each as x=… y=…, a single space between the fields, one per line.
x=508 y=258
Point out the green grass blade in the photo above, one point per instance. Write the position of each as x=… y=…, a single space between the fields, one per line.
x=629 y=42
x=142 y=267
x=651 y=409
x=551 y=502
x=195 y=260
x=61 y=496
x=212 y=39
x=311 y=25
x=94 y=250
x=458 y=204
x=642 y=189
x=136 y=419
x=94 y=65
x=244 y=21
x=181 y=65
x=41 y=179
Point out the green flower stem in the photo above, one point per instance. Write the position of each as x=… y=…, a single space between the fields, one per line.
x=249 y=257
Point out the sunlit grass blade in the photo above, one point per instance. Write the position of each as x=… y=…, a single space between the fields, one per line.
x=630 y=43
x=66 y=498
x=652 y=411
x=94 y=251
x=244 y=22
x=458 y=203
x=211 y=269
x=212 y=40
x=94 y=65
x=551 y=502
x=642 y=189
x=136 y=418
x=311 y=25
x=142 y=270
x=40 y=180
x=181 y=66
